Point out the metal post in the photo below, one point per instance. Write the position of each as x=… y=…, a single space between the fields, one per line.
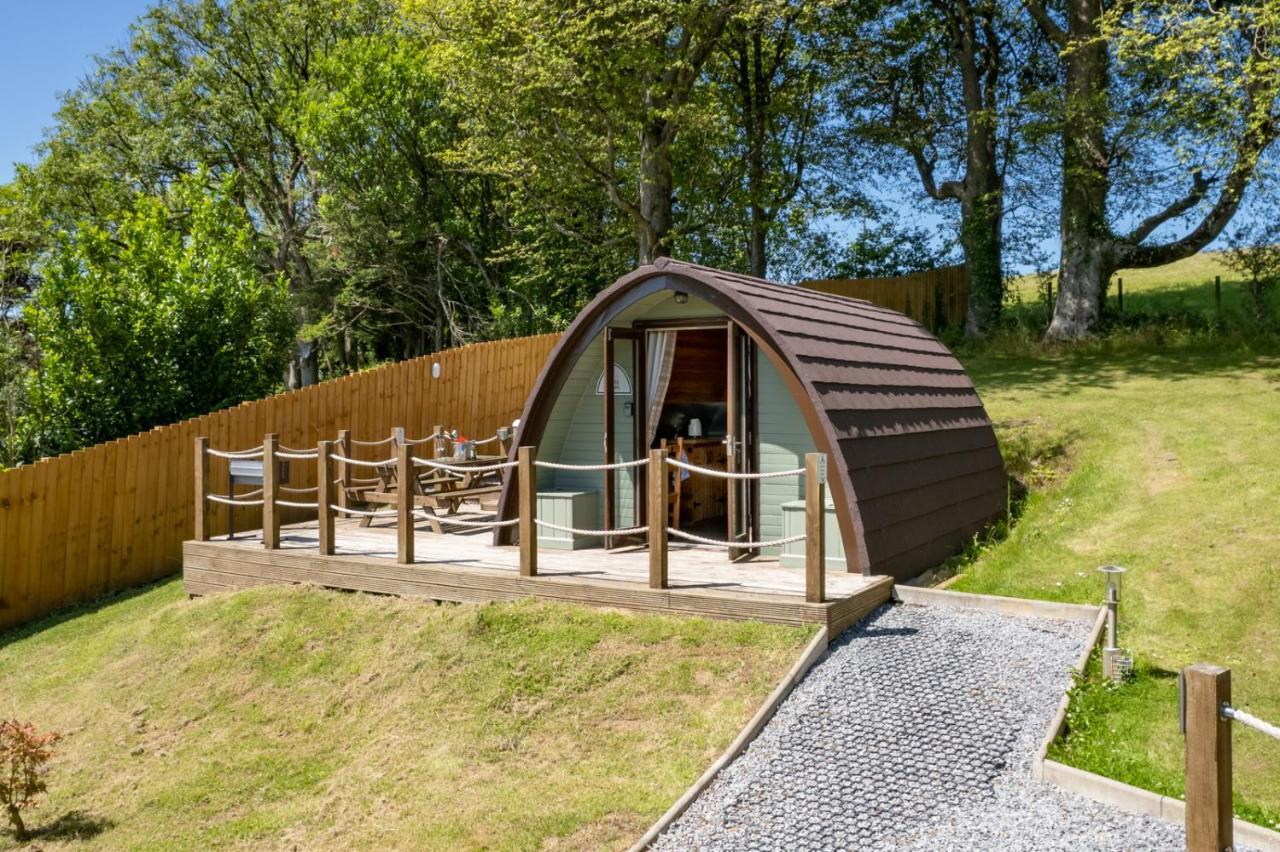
x=324 y=496
x=344 y=450
x=201 y=532
x=527 y=490
x=270 y=493
x=657 y=519
x=1206 y=689
x=1112 y=602
x=404 y=505
x=436 y=432
x=815 y=551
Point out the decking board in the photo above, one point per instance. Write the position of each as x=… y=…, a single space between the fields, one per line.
x=468 y=569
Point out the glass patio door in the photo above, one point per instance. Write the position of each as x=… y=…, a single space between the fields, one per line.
x=740 y=441
x=624 y=430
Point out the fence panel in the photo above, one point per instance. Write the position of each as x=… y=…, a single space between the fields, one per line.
x=115 y=515
x=934 y=298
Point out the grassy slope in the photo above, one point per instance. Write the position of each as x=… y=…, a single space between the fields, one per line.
x=310 y=719
x=1173 y=463
x=1183 y=286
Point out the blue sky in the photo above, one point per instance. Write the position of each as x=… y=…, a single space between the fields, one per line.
x=47 y=48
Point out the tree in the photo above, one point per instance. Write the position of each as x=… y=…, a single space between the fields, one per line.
x=164 y=318
x=929 y=79
x=773 y=75
x=587 y=91
x=1148 y=86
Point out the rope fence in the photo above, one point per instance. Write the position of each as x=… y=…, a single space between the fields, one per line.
x=591 y=533
x=1235 y=714
x=724 y=474
x=734 y=545
x=589 y=467
x=406 y=497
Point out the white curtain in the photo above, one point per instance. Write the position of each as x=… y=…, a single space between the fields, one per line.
x=661 y=348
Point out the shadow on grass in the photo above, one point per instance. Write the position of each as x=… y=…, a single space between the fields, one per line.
x=25 y=631
x=73 y=825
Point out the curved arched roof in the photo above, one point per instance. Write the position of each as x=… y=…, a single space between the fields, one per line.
x=914 y=470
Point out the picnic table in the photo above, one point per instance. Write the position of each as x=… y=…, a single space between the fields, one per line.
x=434 y=489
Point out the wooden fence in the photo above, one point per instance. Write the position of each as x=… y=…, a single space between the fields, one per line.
x=934 y=298
x=115 y=515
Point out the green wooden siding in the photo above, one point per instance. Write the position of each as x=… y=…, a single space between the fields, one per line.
x=784 y=439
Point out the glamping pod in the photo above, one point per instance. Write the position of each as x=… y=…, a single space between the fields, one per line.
x=740 y=374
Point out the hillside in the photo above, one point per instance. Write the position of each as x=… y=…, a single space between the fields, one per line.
x=1161 y=459
x=299 y=718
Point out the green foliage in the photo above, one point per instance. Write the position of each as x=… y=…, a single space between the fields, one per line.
x=164 y=318
x=884 y=250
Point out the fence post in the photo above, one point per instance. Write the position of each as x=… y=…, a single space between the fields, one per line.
x=436 y=432
x=1208 y=757
x=270 y=492
x=397 y=435
x=815 y=510
x=404 y=505
x=1217 y=294
x=202 y=489
x=527 y=489
x=324 y=496
x=1120 y=293
x=657 y=519
x=344 y=450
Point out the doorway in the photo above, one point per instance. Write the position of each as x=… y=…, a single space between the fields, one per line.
x=695 y=397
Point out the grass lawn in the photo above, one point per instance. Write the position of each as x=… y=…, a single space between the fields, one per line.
x=1181 y=288
x=1167 y=462
x=299 y=718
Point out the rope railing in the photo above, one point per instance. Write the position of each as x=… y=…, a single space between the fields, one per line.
x=462 y=469
x=432 y=437
x=735 y=545
x=591 y=533
x=363 y=513
x=300 y=455
x=724 y=474
x=294 y=490
x=290 y=504
x=589 y=467
x=361 y=462
x=232 y=501
x=387 y=440
x=453 y=519
x=236 y=454
x=1249 y=720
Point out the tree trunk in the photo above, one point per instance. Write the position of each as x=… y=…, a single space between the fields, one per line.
x=15 y=817
x=655 y=192
x=981 y=217
x=1087 y=260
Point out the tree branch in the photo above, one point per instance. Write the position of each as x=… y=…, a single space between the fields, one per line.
x=1048 y=26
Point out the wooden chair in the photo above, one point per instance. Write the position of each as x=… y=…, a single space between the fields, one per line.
x=675 y=486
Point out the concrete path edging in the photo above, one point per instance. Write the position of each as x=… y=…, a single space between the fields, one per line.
x=995 y=603
x=813 y=651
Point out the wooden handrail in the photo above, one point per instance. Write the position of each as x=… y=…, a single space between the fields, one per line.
x=658 y=519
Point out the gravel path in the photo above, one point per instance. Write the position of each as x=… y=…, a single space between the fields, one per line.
x=916 y=731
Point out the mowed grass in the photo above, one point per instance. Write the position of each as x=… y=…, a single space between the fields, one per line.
x=299 y=718
x=1167 y=461
x=1178 y=289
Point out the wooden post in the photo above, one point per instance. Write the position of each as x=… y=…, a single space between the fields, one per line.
x=202 y=489
x=1217 y=294
x=1120 y=293
x=404 y=505
x=270 y=492
x=397 y=436
x=658 y=519
x=1208 y=756
x=435 y=443
x=815 y=510
x=324 y=496
x=527 y=489
x=344 y=450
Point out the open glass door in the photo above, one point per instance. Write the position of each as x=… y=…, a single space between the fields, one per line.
x=624 y=430
x=740 y=441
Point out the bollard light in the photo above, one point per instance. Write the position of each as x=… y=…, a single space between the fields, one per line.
x=1115 y=664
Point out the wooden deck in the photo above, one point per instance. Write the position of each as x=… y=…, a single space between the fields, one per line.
x=465 y=567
